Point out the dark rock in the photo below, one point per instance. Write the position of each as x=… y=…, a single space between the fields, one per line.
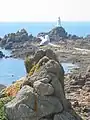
x=11 y=40
x=0 y=39
x=74 y=37
x=58 y=31
x=42 y=34
x=1 y=54
x=8 y=45
x=86 y=109
x=7 y=57
x=75 y=104
x=3 y=42
x=87 y=75
x=30 y=37
x=56 y=34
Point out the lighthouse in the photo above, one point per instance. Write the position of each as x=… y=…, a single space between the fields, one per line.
x=59 y=22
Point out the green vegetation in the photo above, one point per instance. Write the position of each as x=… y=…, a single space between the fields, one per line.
x=4 y=101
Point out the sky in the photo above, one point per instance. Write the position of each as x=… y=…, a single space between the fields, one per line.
x=44 y=10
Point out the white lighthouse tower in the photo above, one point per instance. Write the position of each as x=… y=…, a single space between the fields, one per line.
x=59 y=22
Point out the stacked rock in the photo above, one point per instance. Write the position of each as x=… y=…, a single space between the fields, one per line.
x=42 y=94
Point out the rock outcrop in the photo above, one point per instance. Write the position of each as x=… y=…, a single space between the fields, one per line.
x=42 y=96
x=56 y=34
x=11 y=40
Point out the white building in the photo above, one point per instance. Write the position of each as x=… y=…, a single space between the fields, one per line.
x=59 y=22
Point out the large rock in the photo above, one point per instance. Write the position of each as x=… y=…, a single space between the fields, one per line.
x=11 y=40
x=28 y=105
x=39 y=54
x=58 y=31
x=42 y=94
x=55 y=34
x=43 y=89
x=21 y=35
x=51 y=55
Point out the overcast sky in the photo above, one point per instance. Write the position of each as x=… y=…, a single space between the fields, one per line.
x=44 y=10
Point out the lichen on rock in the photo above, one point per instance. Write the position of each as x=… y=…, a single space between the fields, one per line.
x=4 y=101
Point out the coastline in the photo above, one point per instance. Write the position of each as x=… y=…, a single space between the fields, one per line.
x=69 y=49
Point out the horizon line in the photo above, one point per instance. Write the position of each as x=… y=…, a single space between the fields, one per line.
x=41 y=21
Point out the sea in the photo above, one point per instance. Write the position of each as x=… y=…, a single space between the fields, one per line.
x=77 y=28
x=12 y=69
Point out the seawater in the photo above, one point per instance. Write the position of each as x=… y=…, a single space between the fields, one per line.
x=11 y=69
x=78 y=28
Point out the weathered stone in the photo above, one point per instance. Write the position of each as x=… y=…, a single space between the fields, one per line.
x=23 y=106
x=43 y=60
x=54 y=67
x=51 y=55
x=39 y=54
x=66 y=116
x=58 y=91
x=49 y=105
x=43 y=89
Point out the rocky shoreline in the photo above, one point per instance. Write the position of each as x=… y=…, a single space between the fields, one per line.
x=69 y=49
